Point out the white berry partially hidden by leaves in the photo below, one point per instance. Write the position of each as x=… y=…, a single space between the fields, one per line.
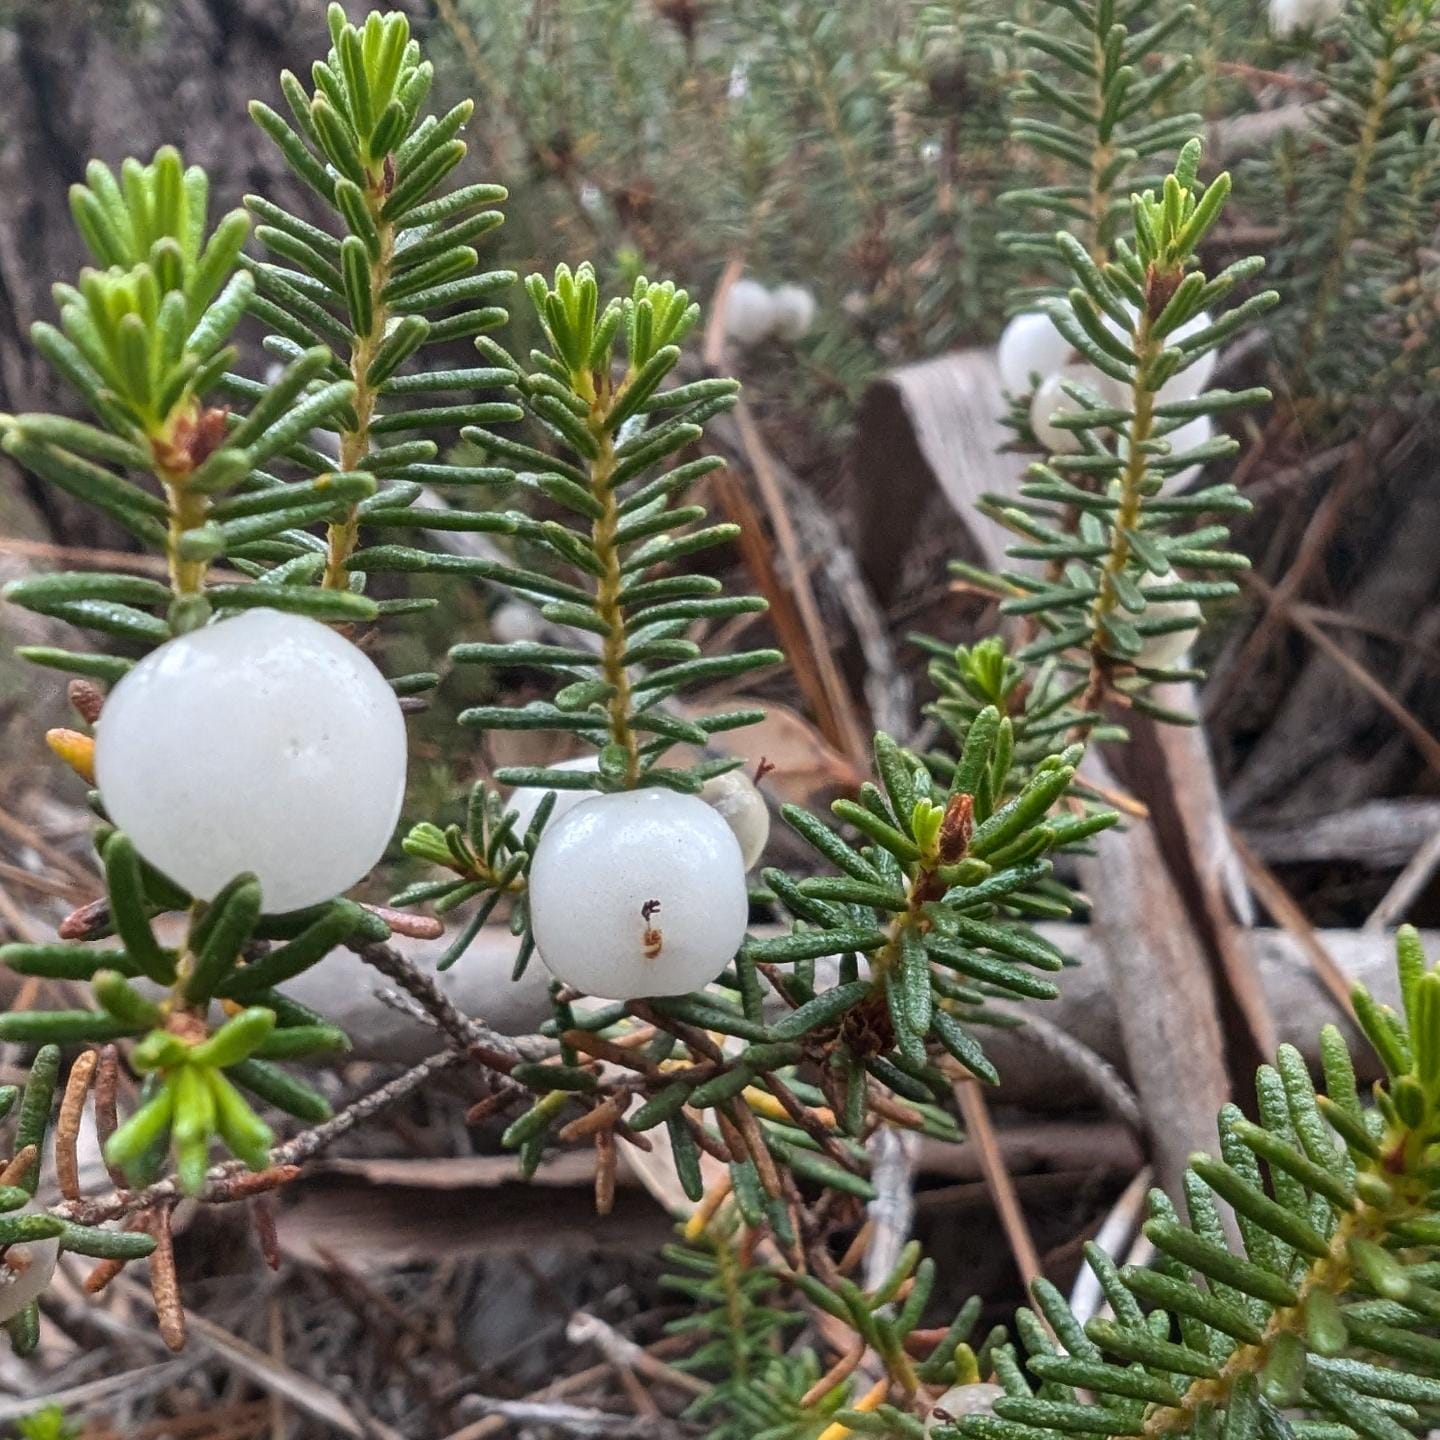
x=1031 y=345
x=1183 y=439
x=25 y=1269
x=793 y=308
x=265 y=743
x=734 y=797
x=638 y=893
x=1186 y=384
x=525 y=799
x=1051 y=401
x=1289 y=16
x=962 y=1400
x=1168 y=647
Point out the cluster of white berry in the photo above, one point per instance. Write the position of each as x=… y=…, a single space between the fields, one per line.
x=754 y=312
x=268 y=743
x=1035 y=359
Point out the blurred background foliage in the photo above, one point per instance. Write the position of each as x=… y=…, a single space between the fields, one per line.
x=858 y=149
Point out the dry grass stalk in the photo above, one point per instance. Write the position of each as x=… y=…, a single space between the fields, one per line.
x=164 y=1282
x=18 y=1168
x=67 y=1128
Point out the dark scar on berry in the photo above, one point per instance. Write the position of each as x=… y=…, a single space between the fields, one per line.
x=652 y=939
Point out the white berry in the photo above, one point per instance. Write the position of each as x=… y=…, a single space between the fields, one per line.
x=962 y=1400
x=742 y=807
x=25 y=1270
x=793 y=308
x=1051 y=400
x=1168 y=647
x=1288 y=16
x=1189 y=436
x=1188 y=383
x=514 y=621
x=525 y=799
x=1030 y=344
x=638 y=893
x=1184 y=438
x=265 y=743
x=749 y=312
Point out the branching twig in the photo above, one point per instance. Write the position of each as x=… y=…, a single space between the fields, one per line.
x=229 y=1180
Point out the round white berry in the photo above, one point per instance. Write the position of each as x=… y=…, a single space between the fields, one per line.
x=514 y=620
x=749 y=312
x=265 y=743
x=1051 y=400
x=962 y=1400
x=1289 y=16
x=525 y=799
x=1187 y=383
x=1031 y=345
x=794 y=311
x=1166 y=648
x=742 y=807
x=1185 y=438
x=638 y=893
x=25 y=1270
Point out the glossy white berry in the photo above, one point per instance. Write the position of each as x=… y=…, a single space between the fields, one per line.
x=525 y=799
x=1167 y=648
x=1030 y=344
x=25 y=1270
x=794 y=310
x=638 y=893
x=749 y=312
x=962 y=1400
x=265 y=743
x=1051 y=400
x=735 y=799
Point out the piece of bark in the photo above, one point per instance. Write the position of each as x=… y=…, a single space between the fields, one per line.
x=1166 y=1002
x=362 y=1219
x=1380 y=834
x=1170 y=770
x=1087 y=1010
x=921 y=429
